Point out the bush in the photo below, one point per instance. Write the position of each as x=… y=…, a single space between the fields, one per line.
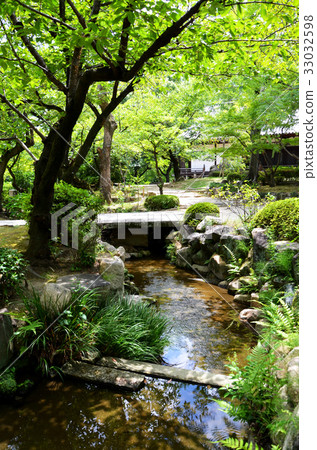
x=195 y=213
x=19 y=206
x=233 y=176
x=66 y=193
x=159 y=202
x=12 y=270
x=281 y=217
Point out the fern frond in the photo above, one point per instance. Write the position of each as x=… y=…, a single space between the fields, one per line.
x=238 y=444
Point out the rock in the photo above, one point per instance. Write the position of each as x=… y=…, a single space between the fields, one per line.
x=249 y=316
x=108 y=248
x=194 y=241
x=295 y=267
x=223 y=284
x=112 y=270
x=245 y=268
x=293 y=381
x=183 y=258
x=215 y=232
x=235 y=245
x=121 y=253
x=103 y=375
x=255 y=300
x=242 y=298
x=260 y=244
x=281 y=246
x=234 y=286
x=218 y=267
x=291 y=441
x=185 y=231
x=55 y=297
x=172 y=235
x=160 y=371
x=285 y=356
x=201 y=257
x=6 y=331
x=207 y=221
x=249 y=281
x=202 y=270
x=284 y=397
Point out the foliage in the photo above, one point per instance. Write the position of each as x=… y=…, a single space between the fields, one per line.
x=159 y=202
x=51 y=337
x=171 y=252
x=282 y=320
x=195 y=213
x=233 y=176
x=233 y=266
x=131 y=329
x=243 y=199
x=9 y=387
x=282 y=217
x=12 y=271
x=65 y=193
x=19 y=206
x=256 y=387
x=240 y=444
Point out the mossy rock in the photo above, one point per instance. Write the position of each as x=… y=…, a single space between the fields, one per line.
x=196 y=213
x=159 y=202
x=281 y=217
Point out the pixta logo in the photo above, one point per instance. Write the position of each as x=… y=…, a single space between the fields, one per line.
x=77 y=220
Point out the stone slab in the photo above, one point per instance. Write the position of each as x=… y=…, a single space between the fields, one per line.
x=103 y=375
x=168 y=372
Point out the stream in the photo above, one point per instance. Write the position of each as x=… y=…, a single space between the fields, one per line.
x=164 y=414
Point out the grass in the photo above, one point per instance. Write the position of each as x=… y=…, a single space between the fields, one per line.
x=14 y=237
x=132 y=330
x=194 y=183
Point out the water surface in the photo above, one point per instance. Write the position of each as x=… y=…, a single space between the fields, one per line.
x=164 y=414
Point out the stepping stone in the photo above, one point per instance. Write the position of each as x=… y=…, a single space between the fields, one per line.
x=103 y=375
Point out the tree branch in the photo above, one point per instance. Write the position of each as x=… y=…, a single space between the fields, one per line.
x=4 y=99
x=41 y=63
x=47 y=16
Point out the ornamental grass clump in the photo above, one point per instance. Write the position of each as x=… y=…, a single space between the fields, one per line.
x=196 y=213
x=132 y=330
x=159 y=202
x=281 y=217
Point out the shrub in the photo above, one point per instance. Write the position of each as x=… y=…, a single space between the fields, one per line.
x=131 y=329
x=159 y=202
x=282 y=217
x=19 y=206
x=65 y=193
x=233 y=176
x=12 y=270
x=195 y=213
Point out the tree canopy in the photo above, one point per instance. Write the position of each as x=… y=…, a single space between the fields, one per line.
x=54 y=54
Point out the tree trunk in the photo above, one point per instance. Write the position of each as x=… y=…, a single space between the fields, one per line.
x=254 y=167
x=46 y=173
x=176 y=165
x=160 y=182
x=110 y=126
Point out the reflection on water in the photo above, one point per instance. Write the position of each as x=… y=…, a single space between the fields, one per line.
x=164 y=414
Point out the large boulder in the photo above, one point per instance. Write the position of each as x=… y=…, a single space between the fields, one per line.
x=201 y=257
x=194 y=242
x=111 y=270
x=215 y=232
x=218 y=267
x=6 y=332
x=57 y=296
x=183 y=258
x=208 y=221
x=236 y=244
x=249 y=316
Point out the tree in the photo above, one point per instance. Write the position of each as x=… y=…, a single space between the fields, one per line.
x=58 y=51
